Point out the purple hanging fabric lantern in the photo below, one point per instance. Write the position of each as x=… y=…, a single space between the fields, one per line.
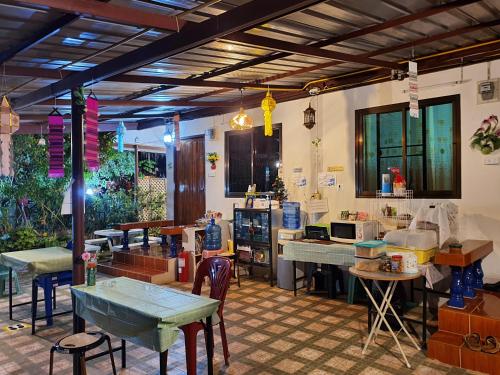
x=92 y=134
x=56 y=145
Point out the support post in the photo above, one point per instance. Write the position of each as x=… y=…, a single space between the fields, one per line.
x=77 y=207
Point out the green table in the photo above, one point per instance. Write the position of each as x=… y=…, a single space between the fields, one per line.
x=146 y=314
x=39 y=261
x=48 y=267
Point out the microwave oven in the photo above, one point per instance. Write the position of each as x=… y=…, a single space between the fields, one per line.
x=348 y=231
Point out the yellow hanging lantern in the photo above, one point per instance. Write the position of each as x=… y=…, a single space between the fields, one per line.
x=268 y=104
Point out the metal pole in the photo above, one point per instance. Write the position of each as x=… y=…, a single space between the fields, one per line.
x=77 y=208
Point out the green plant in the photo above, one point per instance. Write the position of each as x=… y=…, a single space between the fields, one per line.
x=487 y=138
x=147 y=167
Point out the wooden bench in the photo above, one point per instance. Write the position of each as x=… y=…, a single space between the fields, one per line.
x=145 y=226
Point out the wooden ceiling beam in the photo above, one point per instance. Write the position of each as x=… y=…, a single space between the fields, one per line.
x=281 y=45
x=413 y=43
x=18 y=71
x=420 y=14
x=39 y=36
x=117 y=13
x=141 y=103
x=429 y=64
x=241 y=18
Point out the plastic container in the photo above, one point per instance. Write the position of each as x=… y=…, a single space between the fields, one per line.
x=291 y=215
x=213 y=237
x=408 y=261
x=370 y=249
x=367 y=264
x=423 y=255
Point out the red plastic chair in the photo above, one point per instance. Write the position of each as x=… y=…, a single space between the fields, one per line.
x=218 y=270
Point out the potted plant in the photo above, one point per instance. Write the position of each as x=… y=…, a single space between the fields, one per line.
x=487 y=138
x=212 y=158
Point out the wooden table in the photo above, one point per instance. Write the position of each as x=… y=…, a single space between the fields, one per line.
x=385 y=304
x=174 y=231
x=466 y=270
x=144 y=226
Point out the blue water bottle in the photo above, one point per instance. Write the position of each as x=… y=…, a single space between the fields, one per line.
x=213 y=238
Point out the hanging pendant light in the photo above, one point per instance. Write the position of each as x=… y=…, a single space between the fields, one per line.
x=241 y=121
x=309 y=117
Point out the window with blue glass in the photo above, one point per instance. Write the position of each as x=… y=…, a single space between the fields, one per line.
x=426 y=150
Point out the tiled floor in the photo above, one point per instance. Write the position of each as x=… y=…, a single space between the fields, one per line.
x=269 y=332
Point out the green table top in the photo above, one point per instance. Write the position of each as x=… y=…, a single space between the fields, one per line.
x=39 y=261
x=146 y=314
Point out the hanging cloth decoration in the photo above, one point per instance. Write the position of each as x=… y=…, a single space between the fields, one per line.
x=176 y=120
x=268 y=104
x=9 y=124
x=56 y=144
x=120 y=133
x=92 y=133
x=413 y=88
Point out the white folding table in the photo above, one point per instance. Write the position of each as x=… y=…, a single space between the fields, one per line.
x=385 y=304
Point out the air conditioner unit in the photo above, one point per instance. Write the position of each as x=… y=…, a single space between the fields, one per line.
x=488 y=91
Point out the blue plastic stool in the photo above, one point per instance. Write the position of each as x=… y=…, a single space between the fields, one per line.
x=4 y=277
x=48 y=283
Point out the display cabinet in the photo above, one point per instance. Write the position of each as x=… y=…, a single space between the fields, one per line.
x=252 y=235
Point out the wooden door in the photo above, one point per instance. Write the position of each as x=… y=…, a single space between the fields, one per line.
x=189 y=176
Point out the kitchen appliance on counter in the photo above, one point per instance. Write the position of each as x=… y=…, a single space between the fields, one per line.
x=348 y=231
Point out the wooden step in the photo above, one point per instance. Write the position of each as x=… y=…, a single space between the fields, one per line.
x=481 y=315
x=150 y=275
x=158 y=261
x=445 y=347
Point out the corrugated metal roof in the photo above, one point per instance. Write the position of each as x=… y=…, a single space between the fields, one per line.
x=88 y=41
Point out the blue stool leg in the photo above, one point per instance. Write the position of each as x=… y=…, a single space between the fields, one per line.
x=34 y=304
x=456 y=289
x=47 y=296
x=18 y=284
x=2 y=287
x=468 y=279
x=478 y=274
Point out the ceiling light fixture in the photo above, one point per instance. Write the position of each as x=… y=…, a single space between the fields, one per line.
x=241 y=121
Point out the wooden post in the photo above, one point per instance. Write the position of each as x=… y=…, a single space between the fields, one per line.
x=77 y=209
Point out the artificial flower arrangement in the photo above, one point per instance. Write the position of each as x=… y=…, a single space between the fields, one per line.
x=487 y=138
x=212 y=158
x=91 y=267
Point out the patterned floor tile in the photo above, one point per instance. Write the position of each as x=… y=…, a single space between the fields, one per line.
x=270 y=332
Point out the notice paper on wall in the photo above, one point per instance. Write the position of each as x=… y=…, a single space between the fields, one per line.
x=326 y=179
x=413 y=88
x=298 y=179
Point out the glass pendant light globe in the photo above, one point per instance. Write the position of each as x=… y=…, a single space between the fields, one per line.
x=241 y=121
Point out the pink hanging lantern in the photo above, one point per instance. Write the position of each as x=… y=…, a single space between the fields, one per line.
x=92 y=133
x=56 y=144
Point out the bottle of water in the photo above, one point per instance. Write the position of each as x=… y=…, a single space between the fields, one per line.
x=213 y=238
x=291 y=215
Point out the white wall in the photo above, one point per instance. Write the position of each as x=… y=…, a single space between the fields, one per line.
x=480 y=204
